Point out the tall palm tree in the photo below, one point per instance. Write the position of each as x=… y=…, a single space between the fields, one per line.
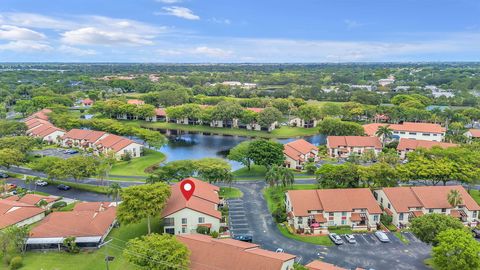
x=286 y=176
x=114 y=191
x=384 y=132
x=272 y=176
x=454 y=198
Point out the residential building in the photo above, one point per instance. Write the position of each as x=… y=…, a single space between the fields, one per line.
x=472 y=134
x=299 y=122
x=119 y=145
x=362 y=86
x=410 y=130
x=298 y=152
x=38 y=126
x=409 y=145
x=207 y=253
x=182 y=216
x=232 y=83
x=160 y=115
x=34 y=199
x=16 y=213
x=88 y=222
x=87 y=102
x=82 y=138
x=344 y=146
x=406 y=203
x=313 y=211
x=136 y=102
x=388 y=81
x=319 y=265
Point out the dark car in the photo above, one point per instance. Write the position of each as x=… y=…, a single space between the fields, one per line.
x=244 y=238
x=71 y=151
x=476 y=232
x=63 y=187
x=3 y=175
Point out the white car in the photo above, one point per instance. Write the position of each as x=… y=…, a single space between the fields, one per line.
x=335 y=238
x=279 y=250
x=350 y=238
x=41 y=183
x=382 y=236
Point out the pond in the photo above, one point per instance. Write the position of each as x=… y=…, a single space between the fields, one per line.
x=190 y=145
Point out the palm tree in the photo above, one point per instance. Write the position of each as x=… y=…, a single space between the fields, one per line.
x=272 y=176
x=454 y=198
x=286 y=176
x=384 y=132
x=114 y=191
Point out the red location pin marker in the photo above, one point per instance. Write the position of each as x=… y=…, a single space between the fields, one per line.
x=187 y=187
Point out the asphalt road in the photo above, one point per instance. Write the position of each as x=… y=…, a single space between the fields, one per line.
x=71 y=194
x=251 y=216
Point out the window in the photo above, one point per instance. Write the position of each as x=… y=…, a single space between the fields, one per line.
x=344 y=222
x=170 y=230
x=444 y=210
x=426 y=134
x=400 y=217
x=344 y=213
x=474 y=214
x=300 y=220
x=381 y=200
x=402 y=132
x=184 y=221
x=388 y=206
x=375 y=195
x=412 y=133
x=435 y=134
x=169 y=221
x=430 y=210
x=331 y=214
x=184 y=229
x=375 y=218
x=201 y=220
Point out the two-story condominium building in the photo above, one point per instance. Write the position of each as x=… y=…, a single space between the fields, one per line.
x=82 y=138
x=344 y=146
x=298 y=152
x=207 y=253
x=38 y=126
x=313 y=211
x=410 y=130
x=472 y=134
x=405 y=203
x=409 y=145
x=183 y=217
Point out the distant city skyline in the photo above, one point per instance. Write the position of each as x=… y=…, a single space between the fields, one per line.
x=216 y=31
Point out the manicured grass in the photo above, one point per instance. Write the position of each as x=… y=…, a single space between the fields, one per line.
x=475 y=195
x=67 y=208
x=282 y=132
x=402 y=238
x=91 y=260
x=137 y=166
x=255 y=171
x=340 y=230
x=230 y=192
x=322 y=240
x=275 y=195
x=391 y=227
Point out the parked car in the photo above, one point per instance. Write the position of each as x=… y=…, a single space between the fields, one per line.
x=350 y=238
x=279 y=250
x=71 y=151
x=63 y=187
x=11 y=186
x=41 y=183
x=4 y=175
x=476 y=232
x=335 y=238
x=382 y=236
x=243 y=237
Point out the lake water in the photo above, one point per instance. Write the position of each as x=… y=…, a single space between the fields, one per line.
x=183 y=145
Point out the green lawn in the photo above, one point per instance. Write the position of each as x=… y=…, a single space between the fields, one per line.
x=90 y=260
x=317 y=240
x=256 y=171
x=67 y=208
x=282 y=132
x=137 y=166
x=475 y=195
x=275 y=195
x=230 y=192
x=402 y=238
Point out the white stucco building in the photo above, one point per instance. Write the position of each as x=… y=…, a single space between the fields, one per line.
x=344 y=146
x=410 y=130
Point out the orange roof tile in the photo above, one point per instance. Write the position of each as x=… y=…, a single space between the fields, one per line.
x=429 y=197
x=204 y=199
x=353 y=141
x=160 y=112
x=371 y=129
x=230 y=254
x=332 y=200
x=114 y=142
x=355 y=217
x=135 y=101
x=33 y=199
x=295 y=149
x=410 y=144
x=257 y=110
x=13 y=212
x=475 y=133
x=319 y=265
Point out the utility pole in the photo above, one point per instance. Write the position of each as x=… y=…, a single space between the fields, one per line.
x=107 y=258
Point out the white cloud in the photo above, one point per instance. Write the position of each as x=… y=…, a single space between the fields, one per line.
x=220 y=21
x=25 y=46
x=96 y=36
x=169 y=1
x=9 y=32
x=35 y=21
x=181 y=12
x=198 y=52
x=76 y=51
x=212 y=52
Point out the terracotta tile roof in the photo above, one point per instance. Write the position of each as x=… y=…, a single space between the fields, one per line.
x=417 y=213
x=455 y=213
x=87 y=101
x=410 y=144
x=475 y=133
x=33 y=199
x=295 y=149
x=257 y=110
x=35 y=122
x=204 y=199
x=42 y=114
x=320 y=218
x=93 y=206
x=114 y=142
x=332 y=200
x=353 y=141
x=43 y=130
x=355 y=217
x=75 y=223
x=230 y=254
x=160 y=112
x=388 y=211
x=135 y=101
x=403 y=198
x=371 y=129
x=319 y=265
x=76 y=134
x=13 y=212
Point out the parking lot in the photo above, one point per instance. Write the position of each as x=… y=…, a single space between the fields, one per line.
x=238 y=222
x=54 y=152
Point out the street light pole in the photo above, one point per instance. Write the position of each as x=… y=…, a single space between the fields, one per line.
x=107 y=258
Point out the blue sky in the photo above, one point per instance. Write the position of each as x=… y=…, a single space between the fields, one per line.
x=239 y=31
